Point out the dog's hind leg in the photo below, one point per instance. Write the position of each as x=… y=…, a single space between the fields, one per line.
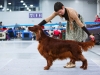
x=49 y=63
x=84 y=62
x=72 y=61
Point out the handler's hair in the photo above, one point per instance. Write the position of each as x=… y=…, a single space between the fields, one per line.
x=58 y=6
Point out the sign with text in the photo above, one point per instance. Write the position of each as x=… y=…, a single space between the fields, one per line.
x=35 y=15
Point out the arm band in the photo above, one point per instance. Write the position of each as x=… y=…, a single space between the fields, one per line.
x=84 y=28
x=42 y=23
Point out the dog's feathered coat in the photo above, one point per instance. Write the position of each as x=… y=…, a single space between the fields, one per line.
x=52 y=49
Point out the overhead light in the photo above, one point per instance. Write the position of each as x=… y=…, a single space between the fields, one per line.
x=10 y=10
x=27 y=8
x=1 y=6
x=21 y=1
x=9 y=3
x=31 y=5
x=3 y=9
x=7 y=8
x=24 y=4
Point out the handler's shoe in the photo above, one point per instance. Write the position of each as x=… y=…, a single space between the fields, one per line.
x=70 y=65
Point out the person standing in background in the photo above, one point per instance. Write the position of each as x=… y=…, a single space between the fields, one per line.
x=0 y=23
x=97 y=18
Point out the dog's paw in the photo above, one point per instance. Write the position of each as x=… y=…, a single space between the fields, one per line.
x=81 y=66
x=46 y=68
x=84 y=68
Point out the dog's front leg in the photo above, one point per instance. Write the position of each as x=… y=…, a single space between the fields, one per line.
x=49 y=64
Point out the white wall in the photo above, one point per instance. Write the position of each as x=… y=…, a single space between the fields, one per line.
x=9 y=18
x=87 y=9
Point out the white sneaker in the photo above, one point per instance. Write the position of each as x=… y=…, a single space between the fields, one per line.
x=70 y=65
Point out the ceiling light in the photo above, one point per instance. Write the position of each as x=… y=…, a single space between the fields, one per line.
x=7 y=8
x=1 y=6
x=3 y=9
x=31 y=5
x=21 y=1
x=27 y=8
x=9 y=3
x=24 y=4
x=10 y=10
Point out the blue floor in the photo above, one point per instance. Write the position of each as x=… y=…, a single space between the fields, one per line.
x=23 y=58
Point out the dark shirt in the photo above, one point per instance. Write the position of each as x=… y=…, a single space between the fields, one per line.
x=66 y=15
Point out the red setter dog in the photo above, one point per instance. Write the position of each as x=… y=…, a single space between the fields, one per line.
x=52 y=49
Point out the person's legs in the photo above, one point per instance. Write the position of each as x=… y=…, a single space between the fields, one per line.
x=76 y=34
x=70 y=36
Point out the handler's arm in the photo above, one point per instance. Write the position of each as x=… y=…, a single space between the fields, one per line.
x=48 y=19
x=75 y=17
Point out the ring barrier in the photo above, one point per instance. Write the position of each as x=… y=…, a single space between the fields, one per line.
x=49 y=24
x=27 y=35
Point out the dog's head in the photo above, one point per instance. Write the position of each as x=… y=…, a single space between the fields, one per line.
x=36 y=29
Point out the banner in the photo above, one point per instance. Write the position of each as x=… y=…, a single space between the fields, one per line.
x=35 y=15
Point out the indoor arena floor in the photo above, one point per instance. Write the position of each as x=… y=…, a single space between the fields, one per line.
x=23 y=58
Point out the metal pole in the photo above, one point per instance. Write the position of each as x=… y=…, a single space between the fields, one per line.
x=5 y=5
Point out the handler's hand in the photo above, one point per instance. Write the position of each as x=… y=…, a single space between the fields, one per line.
x=92 y=37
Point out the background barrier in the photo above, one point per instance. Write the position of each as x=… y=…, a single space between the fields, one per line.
x=51 y=24
x=94 y=29
x=2 y=35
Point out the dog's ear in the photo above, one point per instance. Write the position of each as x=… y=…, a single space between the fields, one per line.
x=38 y=35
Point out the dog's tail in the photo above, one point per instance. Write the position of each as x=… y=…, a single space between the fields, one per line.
x=86 y=45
